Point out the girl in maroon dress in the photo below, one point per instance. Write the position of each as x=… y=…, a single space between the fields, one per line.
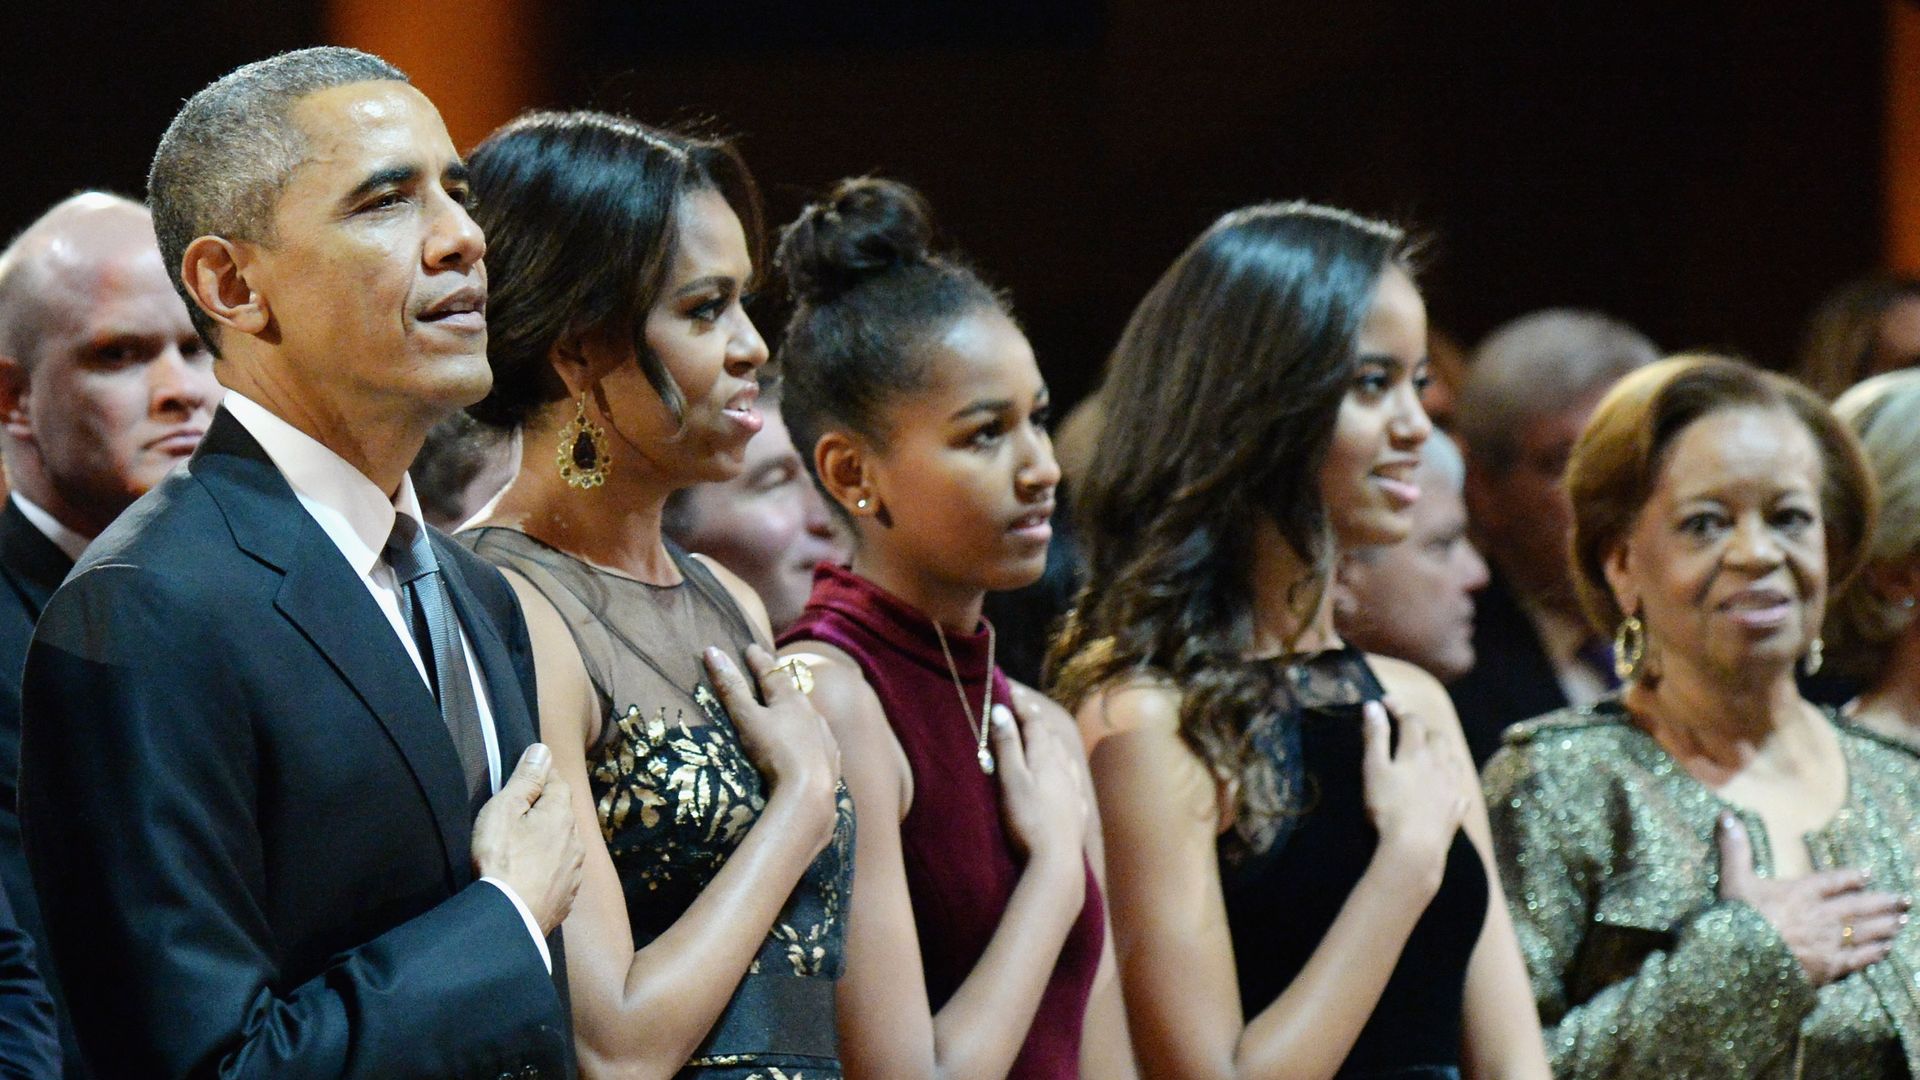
x=979 y=950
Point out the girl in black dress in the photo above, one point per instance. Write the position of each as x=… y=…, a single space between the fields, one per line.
x=1298 y=868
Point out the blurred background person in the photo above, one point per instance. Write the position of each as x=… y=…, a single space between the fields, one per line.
x=1872 y=634
x=769 y=524
x=105 y=387
x=1866 y=327
x=1687 y=863
x=1414 y=600
x=461 y=467
x=1532 y=384
x=1447 y=373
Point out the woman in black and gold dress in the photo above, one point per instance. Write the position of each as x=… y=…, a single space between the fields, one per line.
x=708 y=931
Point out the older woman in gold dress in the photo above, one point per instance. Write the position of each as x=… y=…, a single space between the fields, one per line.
x=1707 y=873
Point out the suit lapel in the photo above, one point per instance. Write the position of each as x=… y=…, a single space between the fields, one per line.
x=323 y=596
x=330 y=604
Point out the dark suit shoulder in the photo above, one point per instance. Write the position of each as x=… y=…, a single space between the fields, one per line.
x=168 y=525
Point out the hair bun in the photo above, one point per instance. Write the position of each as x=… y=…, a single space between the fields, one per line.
x=865 y=227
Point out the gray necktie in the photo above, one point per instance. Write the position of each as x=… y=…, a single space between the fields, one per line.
x=436 y=630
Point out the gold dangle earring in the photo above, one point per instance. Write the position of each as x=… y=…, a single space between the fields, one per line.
x=1629 y=648
x=584 y=459
x=1816 y=655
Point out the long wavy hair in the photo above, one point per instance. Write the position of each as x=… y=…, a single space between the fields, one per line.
x=1221 y=399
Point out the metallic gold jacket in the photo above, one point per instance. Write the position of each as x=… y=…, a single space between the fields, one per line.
x=1610 y=865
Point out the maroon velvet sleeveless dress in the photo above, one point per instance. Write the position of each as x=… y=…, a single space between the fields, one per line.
x=961 y=864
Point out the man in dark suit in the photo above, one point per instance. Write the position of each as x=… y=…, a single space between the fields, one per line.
x=106 y=388
x=261 y=713
x=1530 y=389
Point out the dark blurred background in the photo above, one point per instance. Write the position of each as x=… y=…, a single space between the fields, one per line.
x=1705 y=170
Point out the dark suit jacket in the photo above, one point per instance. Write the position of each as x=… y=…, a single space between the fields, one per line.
x=245 y=818
x=31 y=567
x=29 y=1045
x=1512 y=677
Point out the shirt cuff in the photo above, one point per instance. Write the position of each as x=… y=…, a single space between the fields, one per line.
x=526 y=916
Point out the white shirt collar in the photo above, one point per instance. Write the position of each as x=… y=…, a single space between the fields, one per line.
x=63 y=538
x=354 y=513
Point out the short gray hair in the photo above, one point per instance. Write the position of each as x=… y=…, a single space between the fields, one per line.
x=1538 y=364
x=231 y=148
x=1861 y=624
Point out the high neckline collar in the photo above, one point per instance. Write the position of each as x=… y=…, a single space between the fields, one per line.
x=907 y=628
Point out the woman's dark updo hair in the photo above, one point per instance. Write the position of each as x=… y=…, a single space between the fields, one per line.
x=869 y=294
x=1221 y=399
x=578 y=209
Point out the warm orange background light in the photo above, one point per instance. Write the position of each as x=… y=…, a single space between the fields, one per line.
x=1903 y=136
x=479 y=60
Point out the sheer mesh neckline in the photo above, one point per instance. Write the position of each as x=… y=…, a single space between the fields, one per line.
x=599 y=568
x=640 y=643
x=1330 y=678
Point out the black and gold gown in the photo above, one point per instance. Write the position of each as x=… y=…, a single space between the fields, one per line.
x=676 y=794
x=1609 y=855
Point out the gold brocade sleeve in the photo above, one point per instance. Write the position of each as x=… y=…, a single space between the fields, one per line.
x=1626 y=985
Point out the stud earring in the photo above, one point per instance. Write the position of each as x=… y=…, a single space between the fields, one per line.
x=1816 y=655
x=862 y=503
x=584 y=459
x=1629 y=648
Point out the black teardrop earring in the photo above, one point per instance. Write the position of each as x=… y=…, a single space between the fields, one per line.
x=584 y=459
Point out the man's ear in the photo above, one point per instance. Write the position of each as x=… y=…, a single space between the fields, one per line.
x=1481 y=492
x=843 y=468
x=214 y=270
x=14 y=388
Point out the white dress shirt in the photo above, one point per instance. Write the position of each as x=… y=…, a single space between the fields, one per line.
x=63 y=538
x=358 y=517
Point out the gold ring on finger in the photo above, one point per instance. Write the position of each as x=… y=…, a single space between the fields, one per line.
x=799 y=671
x=1846 y=935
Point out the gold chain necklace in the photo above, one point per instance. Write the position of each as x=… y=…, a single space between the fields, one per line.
x=981 y=753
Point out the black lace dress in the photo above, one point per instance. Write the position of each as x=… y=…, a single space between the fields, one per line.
x=676 y=795
x=1282 y=899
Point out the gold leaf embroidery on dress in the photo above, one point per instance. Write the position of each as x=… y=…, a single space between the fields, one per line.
x=771 y=1073
x=807 y=952
x=651 y=764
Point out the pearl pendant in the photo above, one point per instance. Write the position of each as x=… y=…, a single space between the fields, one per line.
x=986 y=760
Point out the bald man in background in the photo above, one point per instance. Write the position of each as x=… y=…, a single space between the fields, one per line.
x=104 y=388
